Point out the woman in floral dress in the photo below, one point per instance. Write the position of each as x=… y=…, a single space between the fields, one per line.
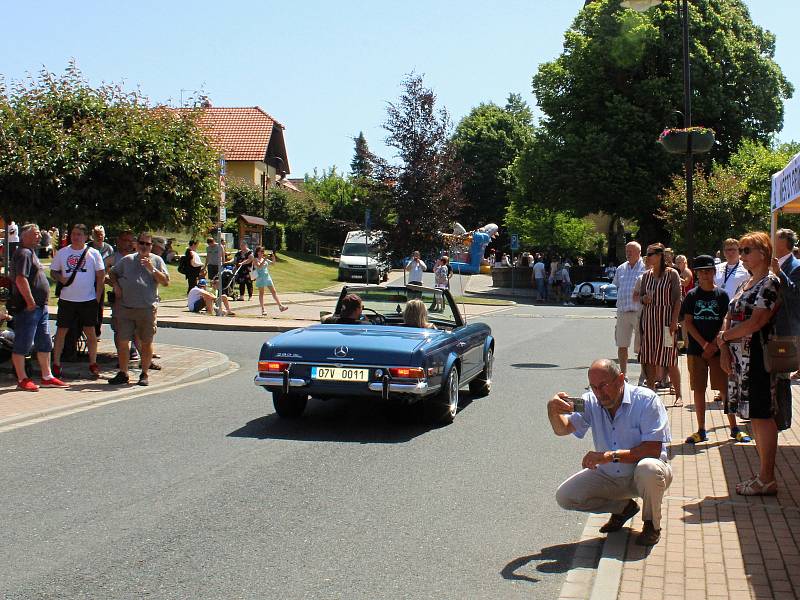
x=660 y=294
x=751 y=389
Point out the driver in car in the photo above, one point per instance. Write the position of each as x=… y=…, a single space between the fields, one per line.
x=352 y=306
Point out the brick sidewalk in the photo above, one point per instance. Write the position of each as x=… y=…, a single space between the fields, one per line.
x=714 y=543
x=180 y=365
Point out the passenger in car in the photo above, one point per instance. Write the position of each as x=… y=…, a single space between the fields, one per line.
x=416 y=315
x=352 y=307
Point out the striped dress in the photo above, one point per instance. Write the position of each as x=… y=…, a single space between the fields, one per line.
x=655 y=316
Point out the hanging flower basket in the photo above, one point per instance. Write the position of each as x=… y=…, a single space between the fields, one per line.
x=676 y=141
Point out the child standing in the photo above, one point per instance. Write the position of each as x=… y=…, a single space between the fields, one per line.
x=704 y=310
x=441 y=274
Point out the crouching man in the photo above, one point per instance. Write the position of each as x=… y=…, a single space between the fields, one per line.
x=631 y=432
x=199 y=298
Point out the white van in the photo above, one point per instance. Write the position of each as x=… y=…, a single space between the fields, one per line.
x=356 y=265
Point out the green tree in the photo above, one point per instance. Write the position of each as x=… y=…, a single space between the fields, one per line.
x=554 y=230
x=729 y=200
x=487 y=142
x=72 y=152
x=427 y=192
x=616 y=85
x=363 y=160
x=244 y=198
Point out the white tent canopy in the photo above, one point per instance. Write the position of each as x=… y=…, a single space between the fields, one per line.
x=785 y=191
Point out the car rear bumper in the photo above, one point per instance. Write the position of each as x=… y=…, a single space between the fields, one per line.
x=417 y=388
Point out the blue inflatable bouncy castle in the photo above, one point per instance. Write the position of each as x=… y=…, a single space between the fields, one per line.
x=480 y=240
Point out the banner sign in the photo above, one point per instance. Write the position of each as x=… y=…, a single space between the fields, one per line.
x=786 y=184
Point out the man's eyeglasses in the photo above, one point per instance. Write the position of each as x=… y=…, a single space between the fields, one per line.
x=141 y=243
x=600 y=388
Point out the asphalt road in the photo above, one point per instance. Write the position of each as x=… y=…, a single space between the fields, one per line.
x=202 y=492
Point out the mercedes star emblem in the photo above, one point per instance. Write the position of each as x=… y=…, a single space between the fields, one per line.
x=341 y=351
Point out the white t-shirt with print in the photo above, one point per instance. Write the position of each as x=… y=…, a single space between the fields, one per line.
x=83 y=288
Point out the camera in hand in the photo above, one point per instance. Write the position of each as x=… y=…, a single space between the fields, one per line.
x=578 y=404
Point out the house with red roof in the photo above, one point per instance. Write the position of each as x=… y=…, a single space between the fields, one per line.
x=252 y=143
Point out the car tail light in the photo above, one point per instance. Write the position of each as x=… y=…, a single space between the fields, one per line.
x=407 y=372
x=272 y=366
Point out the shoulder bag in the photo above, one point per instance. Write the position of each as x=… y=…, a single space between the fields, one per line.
x=60 y=286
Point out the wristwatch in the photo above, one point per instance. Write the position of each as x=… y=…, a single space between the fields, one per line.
x=614 y=457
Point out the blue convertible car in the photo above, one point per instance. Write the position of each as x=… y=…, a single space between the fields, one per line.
x=380 y=358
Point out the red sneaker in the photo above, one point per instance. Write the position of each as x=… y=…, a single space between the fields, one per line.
x=53 y=382
x=27 y=385
x=94 y=371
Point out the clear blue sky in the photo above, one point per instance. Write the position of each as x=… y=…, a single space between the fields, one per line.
x=324 y=69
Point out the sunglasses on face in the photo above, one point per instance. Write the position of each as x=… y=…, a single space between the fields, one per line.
x=654 y=252
x=747 y=250
x=141 y=243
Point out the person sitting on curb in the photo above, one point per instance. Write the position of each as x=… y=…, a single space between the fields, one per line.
x=631 y=432
x=200 y=298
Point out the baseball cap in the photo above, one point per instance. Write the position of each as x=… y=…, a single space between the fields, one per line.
x=202 y=282
x=704 y=261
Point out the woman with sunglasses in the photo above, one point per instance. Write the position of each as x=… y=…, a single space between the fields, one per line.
x=660 y=295
x=751 y=389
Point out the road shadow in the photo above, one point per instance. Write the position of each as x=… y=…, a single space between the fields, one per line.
x=554 y=560
x=534 y=366
x=358 y=420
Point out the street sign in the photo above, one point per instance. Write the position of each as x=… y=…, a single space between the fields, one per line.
x=222 y=166
x=223 y=214
x=367 y=216
x=514 y=242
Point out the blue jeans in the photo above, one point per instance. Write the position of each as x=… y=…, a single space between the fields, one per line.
x=541 y=287
x=31 y=330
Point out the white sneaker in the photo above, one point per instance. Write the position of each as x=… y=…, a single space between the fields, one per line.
x=221 y=312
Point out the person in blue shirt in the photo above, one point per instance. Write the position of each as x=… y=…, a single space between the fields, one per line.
x=630 y=429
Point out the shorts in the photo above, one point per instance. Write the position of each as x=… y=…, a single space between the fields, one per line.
x=627 y=325
x=198 y=305
x=84 y=314
x=31 y=330
x=699 y=370
x=140 y=322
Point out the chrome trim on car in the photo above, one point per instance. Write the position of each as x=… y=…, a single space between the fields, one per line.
x=322 y=363
x=278 y=381
x=419 y=388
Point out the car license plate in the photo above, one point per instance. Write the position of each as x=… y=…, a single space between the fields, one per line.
x=339 y=374
x=356 y=277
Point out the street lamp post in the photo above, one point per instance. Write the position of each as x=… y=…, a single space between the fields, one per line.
x=683 y=15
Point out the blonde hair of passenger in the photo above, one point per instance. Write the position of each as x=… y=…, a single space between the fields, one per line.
x=415 y=313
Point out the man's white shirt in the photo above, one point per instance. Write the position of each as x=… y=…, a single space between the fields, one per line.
x=729 y=278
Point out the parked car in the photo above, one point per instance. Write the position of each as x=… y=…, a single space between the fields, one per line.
x=356 y=263
x=380 y=358
x=599 y=291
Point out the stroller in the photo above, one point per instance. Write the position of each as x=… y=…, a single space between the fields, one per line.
x=227 y=281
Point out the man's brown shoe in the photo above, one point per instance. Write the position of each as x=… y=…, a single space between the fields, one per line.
x=616 y=521
x=649 y=536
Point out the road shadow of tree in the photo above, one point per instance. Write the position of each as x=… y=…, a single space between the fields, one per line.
x=357 y=420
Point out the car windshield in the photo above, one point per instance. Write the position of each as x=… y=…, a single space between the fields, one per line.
x=358 y=249
x=390 y=302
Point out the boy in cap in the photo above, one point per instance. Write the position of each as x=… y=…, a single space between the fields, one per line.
x=200 y=298
x=704 y=310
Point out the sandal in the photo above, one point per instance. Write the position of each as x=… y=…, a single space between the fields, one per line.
x=678 y=402
x=697 y=437
x=283 y=308
x=740 y=436
x=748 y=488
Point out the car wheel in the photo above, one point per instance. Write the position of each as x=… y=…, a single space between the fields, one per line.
x=441 y=409
x=482 y=384
x=586 y=290
x=289 y=406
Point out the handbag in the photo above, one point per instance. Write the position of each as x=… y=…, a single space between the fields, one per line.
x=253 y=275
x=60 y=286
x=780 y=353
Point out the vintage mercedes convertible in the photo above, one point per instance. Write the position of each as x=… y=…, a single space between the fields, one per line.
x=379 y=357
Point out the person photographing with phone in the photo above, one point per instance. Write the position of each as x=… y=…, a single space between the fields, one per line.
x=415 y=268
x=630 y=429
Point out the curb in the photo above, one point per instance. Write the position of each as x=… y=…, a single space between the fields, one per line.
x=228 y=326
x=609 y=571
x=223 y=364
